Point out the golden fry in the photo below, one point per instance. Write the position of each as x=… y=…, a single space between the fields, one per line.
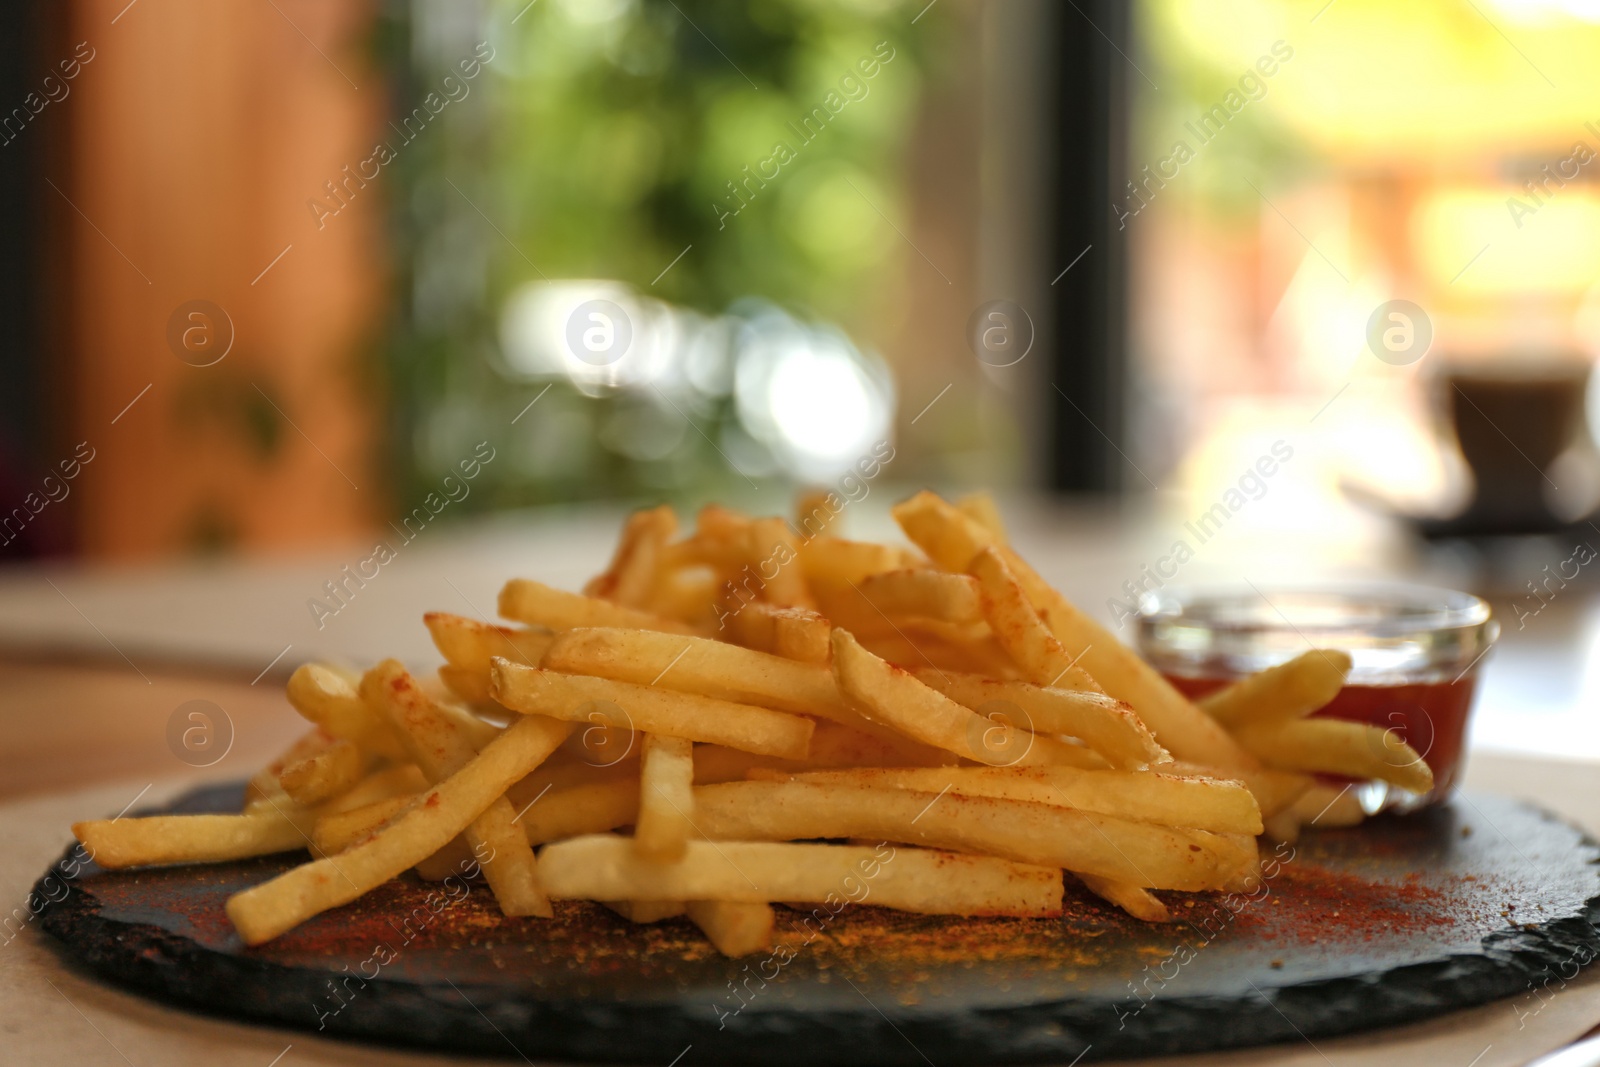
x=441 y=748
x=736 y=929
x=539 y=605
x=833 y=561
x=815 y=512
x=1327 y=808
x=1290 y=690
x=832 y=746
x=1130 y=898
x=666 y=802
x=156 y=839
x=952 y=540
x=1143 y=854
x=793 y=633
x=647 y=911
x=603 y=867
x=1331 y=746
x=631 y=578
x=471 y=644
x=1018 y=628
x=773 y=558
x=574 y=698
x=981 y=509
x=336 y=832
x=1196 y=803
x=698 y=665
x=265 y=911
x=1104 y=723
x=889 y=696
x=330 y=772
x=925 y=592
x=328 y=698
x=591 y=808
x=1274 y=790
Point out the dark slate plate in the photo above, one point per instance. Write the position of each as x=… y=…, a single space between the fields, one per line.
x=1353 y=930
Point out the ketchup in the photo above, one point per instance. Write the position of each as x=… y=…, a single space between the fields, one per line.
x=1430 y=717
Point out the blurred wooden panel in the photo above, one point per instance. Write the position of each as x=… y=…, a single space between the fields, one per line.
x=200 y=131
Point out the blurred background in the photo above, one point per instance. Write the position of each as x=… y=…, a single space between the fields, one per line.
x=280 y=273
x=283 y=265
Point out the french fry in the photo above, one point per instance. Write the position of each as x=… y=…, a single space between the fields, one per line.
x=729 y=699
x=1130 y=898
x=160 y=839
x=467 y=646
x=834 y=561
x=600 y=745
x=1142 y=854
x=539 y=605
x=471 y=686
x=889 y=696
x=772 y=548
x=1327 y=808
x=736 y=929
x=263 y=790
x=603 y=867
x=832 y=746
x=1104 y=723
x=714 y=669
x=454 y=860
x=574 y=698
x=591 y=808
x=1332 y=746
x=334 y=833
x=647 y=911
x=981 y=509
x=441 y=748
x=688 y=595
x=471 y=644
x=699 y=665
x=815 y=512
x=610 y=758
x=328 y=698
x=1195 y=803
x=330 y=772
x=265 y=911
x=949 y=538
x=1284 y=826
x=1290 y=690
x=402 y=780
x=952 y=540
x=915 y=650
x=722 y=524
x=925 y=592
x=463 y=715
x=1274 y=790
x=793 y=633
x=631 y=578
x=666 y=803
x=1019 y=630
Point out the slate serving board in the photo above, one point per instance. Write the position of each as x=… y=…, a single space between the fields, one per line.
x=1352 y=930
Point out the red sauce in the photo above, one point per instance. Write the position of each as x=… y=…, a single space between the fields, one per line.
x=1431 y=717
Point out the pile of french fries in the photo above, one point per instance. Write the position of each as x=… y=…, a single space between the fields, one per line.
x=746 y=714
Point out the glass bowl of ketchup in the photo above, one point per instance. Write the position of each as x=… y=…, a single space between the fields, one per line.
x=1415 y=654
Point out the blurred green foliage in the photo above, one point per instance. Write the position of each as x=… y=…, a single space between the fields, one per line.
x=598 y=142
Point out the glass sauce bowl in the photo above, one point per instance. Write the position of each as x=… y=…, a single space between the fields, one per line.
x=1415 y=653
